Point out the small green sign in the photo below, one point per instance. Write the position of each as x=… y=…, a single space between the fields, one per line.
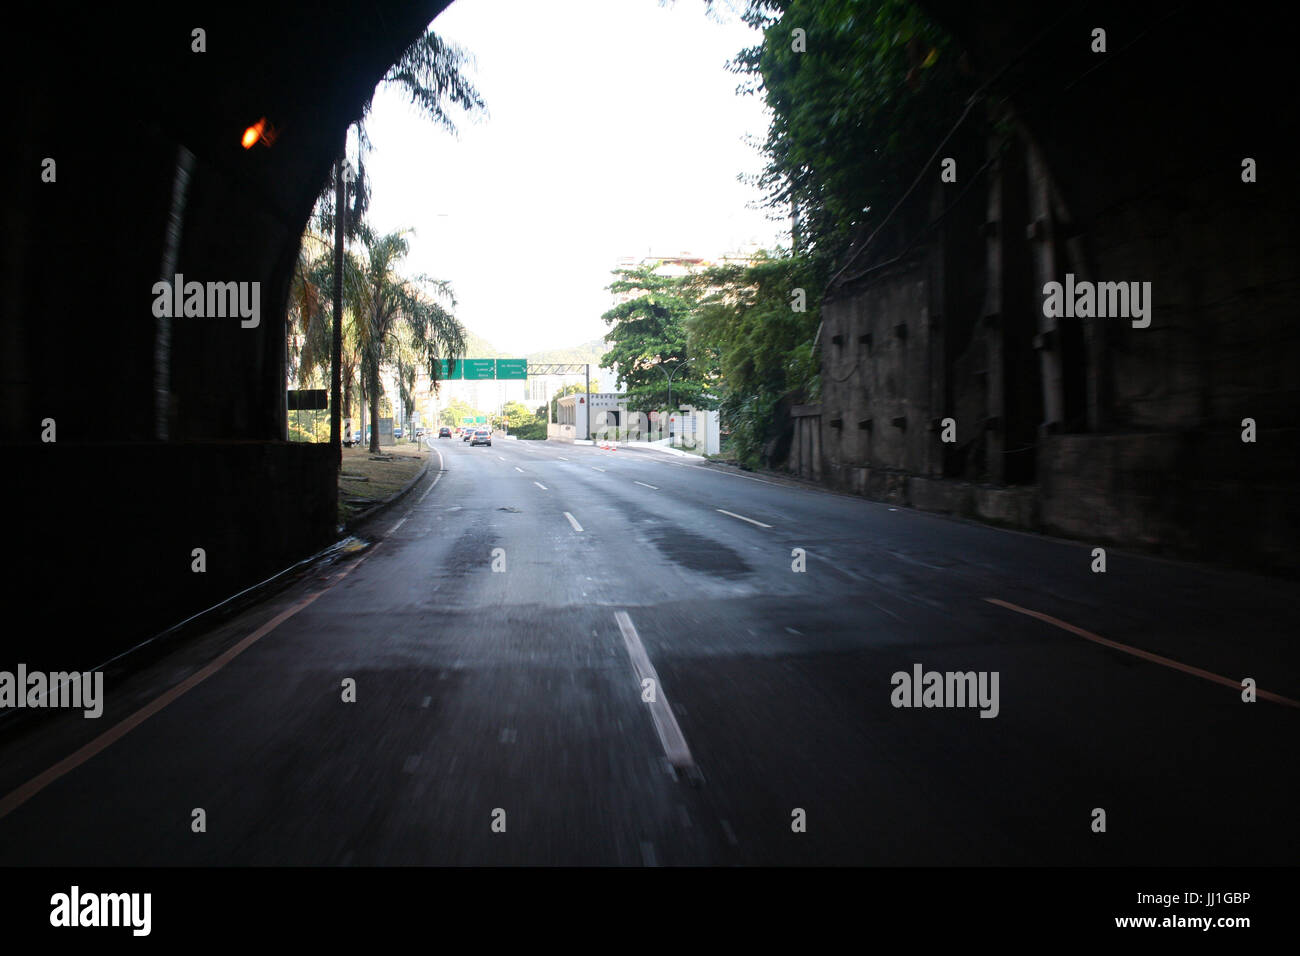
x=467 y=420
x=481 y=420
x=512 y=368
x=479 y=369
x=444 y=373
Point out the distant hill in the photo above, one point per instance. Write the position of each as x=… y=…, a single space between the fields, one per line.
x=586 y=352
x=478 y=347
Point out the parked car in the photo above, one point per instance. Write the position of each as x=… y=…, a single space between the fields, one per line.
x=397 y=432
x=481 y=437
x=444 y=432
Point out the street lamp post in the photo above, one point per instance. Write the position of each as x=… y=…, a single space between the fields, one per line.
x=670 y=386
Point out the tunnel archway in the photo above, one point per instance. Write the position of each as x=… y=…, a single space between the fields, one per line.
x=121 y=103
x=129 y=165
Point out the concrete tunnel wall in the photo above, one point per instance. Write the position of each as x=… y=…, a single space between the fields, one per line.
x=103 y=521
x=1145 y=143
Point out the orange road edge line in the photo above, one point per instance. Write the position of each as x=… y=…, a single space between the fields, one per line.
x=16 y=798
x=1144 y=655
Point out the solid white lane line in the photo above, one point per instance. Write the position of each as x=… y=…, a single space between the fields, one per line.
x=540 y=485
x=731 y=834
x=573 y=521
x=436 y=478
x=670 y=735
x=562 y=458
x=734 y=475
x=396 y=526
x=644 y=485
x=597 y=469
x=743 y=518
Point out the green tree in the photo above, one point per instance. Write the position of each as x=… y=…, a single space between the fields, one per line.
x=515 y=415
x=309 y=316
x=748 y=319
x=648 y=341
x=431 y=72
x=396 y=313
x=455 y=411
x=855 y=115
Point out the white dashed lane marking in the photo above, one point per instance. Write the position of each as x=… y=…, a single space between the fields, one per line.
x=670 y=735
x=732 y=514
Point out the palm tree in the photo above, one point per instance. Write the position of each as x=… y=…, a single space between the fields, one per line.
x=396 y=314
x=309 y=317
x=430 y=73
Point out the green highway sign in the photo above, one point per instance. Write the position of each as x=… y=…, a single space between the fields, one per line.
x=479 y=369
x=467 y=420
x=481 y=420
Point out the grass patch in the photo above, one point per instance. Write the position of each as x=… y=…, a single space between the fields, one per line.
x=383 y=478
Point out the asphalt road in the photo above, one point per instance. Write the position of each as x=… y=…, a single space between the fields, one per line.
x=514 y=696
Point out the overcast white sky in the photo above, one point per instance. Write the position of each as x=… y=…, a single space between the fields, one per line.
x=613 y=130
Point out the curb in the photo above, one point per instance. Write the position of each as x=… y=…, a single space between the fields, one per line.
x=662 y=449
x=379 y=507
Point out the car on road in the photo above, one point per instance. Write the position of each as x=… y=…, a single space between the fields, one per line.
x=467 y=434
x=444 y=432
x=481 y=437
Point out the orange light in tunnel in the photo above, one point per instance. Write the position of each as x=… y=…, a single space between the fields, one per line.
x=254 y=133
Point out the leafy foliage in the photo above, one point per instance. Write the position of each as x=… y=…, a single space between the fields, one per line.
x=763 y=347
x=648 y=341
x=432 y=74
x=399 y=319
x=455 y=410
x=854 y=116
x=859 y=100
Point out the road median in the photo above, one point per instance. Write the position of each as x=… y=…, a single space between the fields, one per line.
x=370 y=484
